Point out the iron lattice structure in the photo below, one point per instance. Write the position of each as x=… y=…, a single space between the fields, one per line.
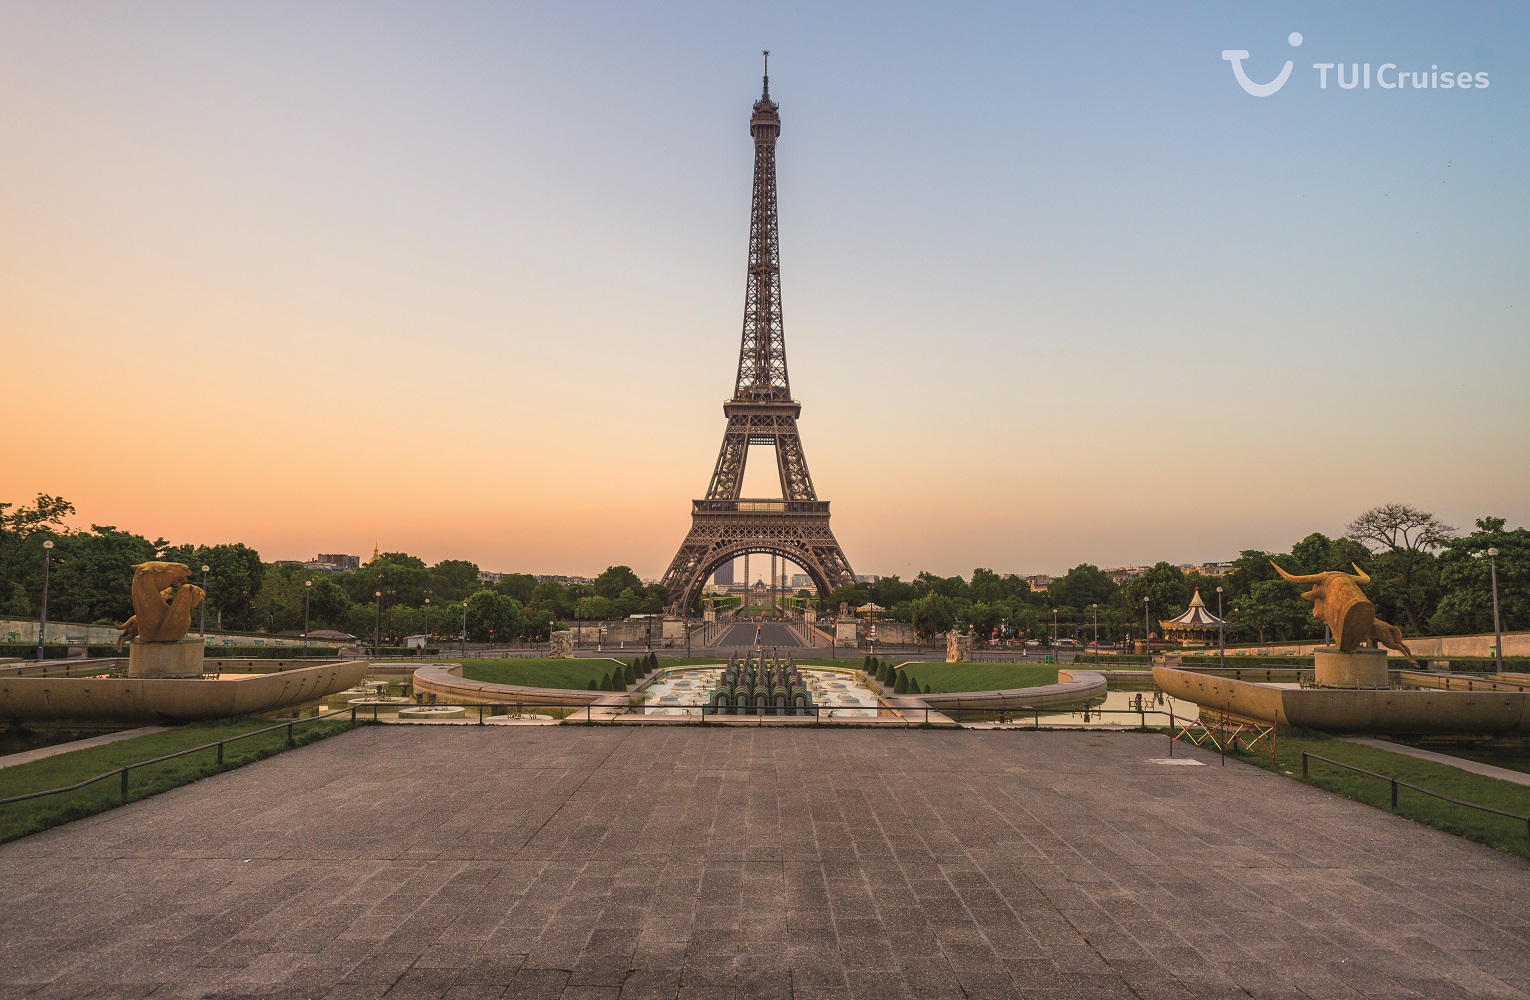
x=762 y=411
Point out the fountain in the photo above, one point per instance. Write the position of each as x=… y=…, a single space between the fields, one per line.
x=760 y=687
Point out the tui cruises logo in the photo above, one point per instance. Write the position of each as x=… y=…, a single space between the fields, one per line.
x=1350 y=76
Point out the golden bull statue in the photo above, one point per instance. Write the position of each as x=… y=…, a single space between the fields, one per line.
x=1339 y=603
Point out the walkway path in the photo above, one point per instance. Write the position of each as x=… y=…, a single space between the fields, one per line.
x=612 y=862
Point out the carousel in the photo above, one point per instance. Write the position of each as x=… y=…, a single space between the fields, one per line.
x=1196 y=627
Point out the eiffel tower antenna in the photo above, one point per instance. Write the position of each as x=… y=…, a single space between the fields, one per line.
x=725 y=525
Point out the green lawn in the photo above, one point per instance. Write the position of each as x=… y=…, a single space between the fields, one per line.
x=1495 y=831
x=946 y=677
x=571 y=674
x=21 y=818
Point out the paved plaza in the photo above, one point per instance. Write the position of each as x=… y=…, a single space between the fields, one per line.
x=635 y=862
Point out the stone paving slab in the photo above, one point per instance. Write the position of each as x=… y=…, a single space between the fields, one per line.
x=572 y=862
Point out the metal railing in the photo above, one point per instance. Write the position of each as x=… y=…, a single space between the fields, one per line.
x=703 y=713
x=124 y=770
x=1397 y=784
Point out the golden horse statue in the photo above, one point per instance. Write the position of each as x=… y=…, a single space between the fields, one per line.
x=162 y=603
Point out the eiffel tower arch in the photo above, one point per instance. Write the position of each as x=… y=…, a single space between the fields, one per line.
x=725 y=525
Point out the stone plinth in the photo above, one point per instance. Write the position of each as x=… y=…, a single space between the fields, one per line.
x=958 y=646
x=182 y=658
x=1360 y=668
x=845 y=634
x=561 y=645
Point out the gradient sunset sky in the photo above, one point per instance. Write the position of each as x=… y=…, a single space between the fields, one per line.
x=467 y=279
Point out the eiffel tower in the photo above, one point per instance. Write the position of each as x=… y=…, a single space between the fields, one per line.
x=761 y=412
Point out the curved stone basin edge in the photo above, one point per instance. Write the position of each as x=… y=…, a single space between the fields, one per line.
x=1414 y=711
x=1072 y=687
x=164 y=699
x=445 y=680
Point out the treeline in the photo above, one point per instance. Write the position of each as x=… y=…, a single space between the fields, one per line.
x=396 y=595
x=1425 y=578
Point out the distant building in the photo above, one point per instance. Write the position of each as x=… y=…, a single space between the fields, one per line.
x=1039 y=583
x=1121 y=574
x=724 y=575
x=484 y=576
x=867 y=578
x=801 y=580
x=333 y=563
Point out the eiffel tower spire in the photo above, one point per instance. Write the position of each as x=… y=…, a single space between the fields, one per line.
x=762 y=356
x=761 y=412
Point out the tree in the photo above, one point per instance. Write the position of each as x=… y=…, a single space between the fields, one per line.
x=1405 y=538
x=1273 y=610
x=984 y=619
x=901 y=685
x=1083 y=585
x=489 y=610
x=932 y=614
x=454 y=579
x=616 y=579
x=992 y=588
x=526 y=588
x=1466 y=578
x=92 y=577
x=19 y=605
x=1165 y=586
x=593 y=608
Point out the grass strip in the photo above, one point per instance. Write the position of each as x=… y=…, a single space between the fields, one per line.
x=21 y=818
x=944 y=678
x=1495 y=831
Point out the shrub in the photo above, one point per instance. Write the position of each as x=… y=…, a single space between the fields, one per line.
x=630 y=675
x=927 y=690
x=901 y=685
x=606 y=685
x=653 y=662
x=593 y=686
x=866 y=662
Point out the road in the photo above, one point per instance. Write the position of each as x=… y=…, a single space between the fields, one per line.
x=771 y=634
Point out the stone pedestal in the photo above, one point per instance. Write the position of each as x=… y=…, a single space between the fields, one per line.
x=1360 y=668
x=958 y=646
x=845 y=634
x=560 y=645
x=182 y=658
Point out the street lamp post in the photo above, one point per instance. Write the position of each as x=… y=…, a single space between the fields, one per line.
x=1054 y=629
x=1221 y=633
x=1147 y=628
x=1497 y=626
x=205 y=568
x=1094 y=609
x=42 y=628
x=426 y=628
x=464 y=628
x=377 y=630
x=307 y=593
